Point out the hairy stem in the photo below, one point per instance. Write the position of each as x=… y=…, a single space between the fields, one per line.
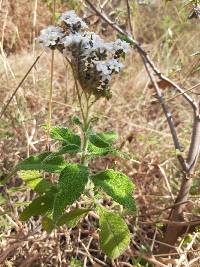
x=85 y=130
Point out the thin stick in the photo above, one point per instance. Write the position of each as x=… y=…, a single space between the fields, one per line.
x=129 y=16
x=50 y=99
x=180 y=94
x=51 y=83
x=19 y=85
x=34 y=34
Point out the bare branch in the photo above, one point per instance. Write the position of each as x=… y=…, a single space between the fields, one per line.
x=168 y=115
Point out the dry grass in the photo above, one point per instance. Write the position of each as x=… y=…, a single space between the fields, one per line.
x=133 y=112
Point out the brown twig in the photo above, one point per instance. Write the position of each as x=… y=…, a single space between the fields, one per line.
x=180 y=94
x=129 y=16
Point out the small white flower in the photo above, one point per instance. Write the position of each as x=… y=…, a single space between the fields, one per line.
x=114 y=64
x=71 y=19
x=71 y=39
x=120 y=45
x=50 y=36
x=103 y=69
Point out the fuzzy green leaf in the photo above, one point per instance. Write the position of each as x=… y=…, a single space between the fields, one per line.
x=39 y=206
x=35 y=181
x=65 y=135
x=114 y=233
x=72 y=218
x=71 y=185
x=117 y=185
x=76 y=120
x=71 y=149
x=103 y=139
x=94 y=151
x=48 y=224
x=33 y=162
x=53 y=163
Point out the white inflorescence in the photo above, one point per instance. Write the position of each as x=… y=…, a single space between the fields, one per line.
x=50 y=36
x=98 y=60
x=120 y=45
x=73 y=21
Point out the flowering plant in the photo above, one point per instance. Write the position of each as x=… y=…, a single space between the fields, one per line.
x=93 y=63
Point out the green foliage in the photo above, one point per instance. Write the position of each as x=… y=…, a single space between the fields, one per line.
x=139 y=262
x=114 y=233
x=33 y=162
x=117 y=185
x=72 y=168
x=48 y=224
x=94 y=151
x=71 y=149
x=71 y=142
x=77 y=121
x=71 y=185
x=66 y=135
x=53 y=163
x=35 y=181
x=75 y=263
x=47 y=161
x=103 y=139
x=125 y=38
x=72 y=218
x=39 y=206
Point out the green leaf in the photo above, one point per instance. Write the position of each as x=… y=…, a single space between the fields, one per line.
x=94 y=151
x=76 y=120
x=39 y=206
x=71 y=185
x=114 y=233
x=66 y=135
x=33 y=162
x=117 y=185
x=125 y=38
x=53 y=163
x=35 y=181
x=44 y=186
x=72 y=218
x=48 y=224
x=71 y=149
x=103 y=139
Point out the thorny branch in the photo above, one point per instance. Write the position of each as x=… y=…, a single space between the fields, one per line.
x=193 y=154
x=188 y=165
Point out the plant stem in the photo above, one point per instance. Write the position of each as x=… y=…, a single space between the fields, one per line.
x=85 y=129
x=84 y=114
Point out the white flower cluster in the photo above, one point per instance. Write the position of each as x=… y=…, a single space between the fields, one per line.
x=108 y=68
x=72 y=21
x=50 y=36
x=120 y=45
x=94 y=60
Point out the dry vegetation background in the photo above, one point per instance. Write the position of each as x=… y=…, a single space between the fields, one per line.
x=133 y=111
